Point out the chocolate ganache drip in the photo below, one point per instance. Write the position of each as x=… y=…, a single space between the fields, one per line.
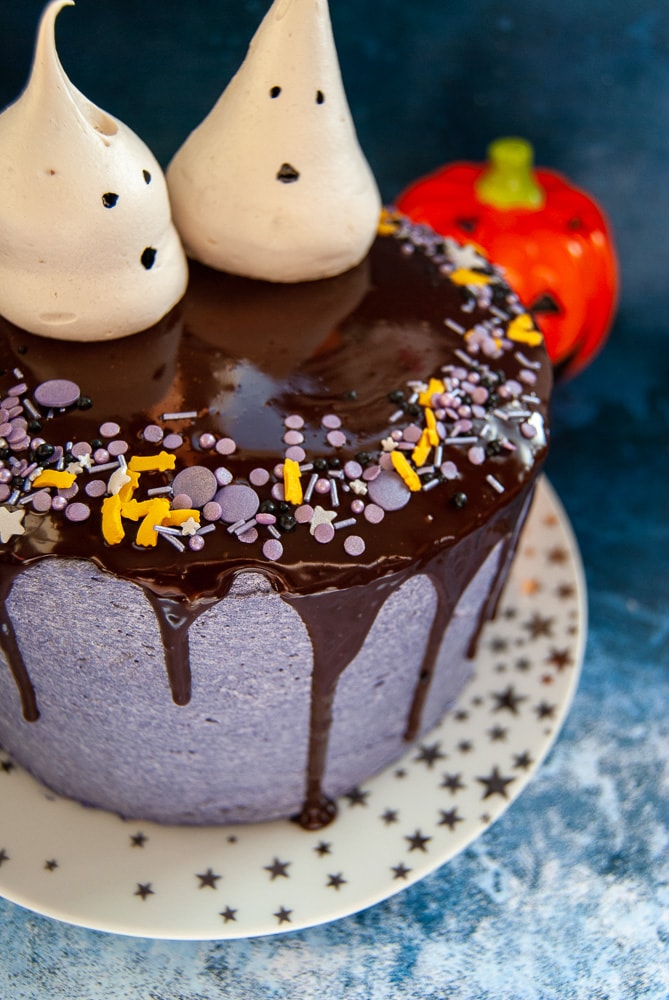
x=335 y=436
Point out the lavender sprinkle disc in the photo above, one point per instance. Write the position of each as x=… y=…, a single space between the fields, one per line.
x=324 y=533
x=296 y=453
x=331 y=422
x=77 y=512
x=42 y=502
x=182 y=502
x=238 y=503
x=109 y=429
x=293 y=437
x=272 y=549
x=389 y=491
x=337 y=439
x=95 y=488
x=153 y=433
x=226 y=446
x=294 y=422
x=198 y=482
x=81 y=448
x=173 y=441
x=304 y=513
x=374 y=514
x=258 y=477
x=118 y=447
x=212 y=511
x=249 y=536
x=56 y=393
x=354 y=545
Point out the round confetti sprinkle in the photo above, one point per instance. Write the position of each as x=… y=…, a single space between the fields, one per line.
x=5 y=429
x=226 y=446
x=101 y=456
x=211 y=511
x=389 y=491
x=68 y=492
x=196 y=543
x=223 y=475
x=238 y=503
x=41 y=502
x=18 y=390
x=449 y=470
x=206 y=441
x=278 y=492
x=353 y=470
x=294 y=422
x=5 y=491
x=118 y=447
x=182 y=502
x=371 y=473
x=249 y=536
x=153 y=434
x=264 y=518
x=95 y=488
x=77 y=512
x=172 y=441
x=109 y=429
x=354 y=545
x=528 y=431
x=57 y=393
x=412 y=433
x=293 y=437
x=476 y=455
x=296 y=453
x=80 y=449
x=198 y=482
x=258 y=477
x=374 y=514
x=331 y=422
x=272 y=549
x=337 y=439
x=324 y=533
x=304 y=513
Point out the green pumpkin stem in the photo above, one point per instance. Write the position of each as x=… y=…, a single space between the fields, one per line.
x=509 y=180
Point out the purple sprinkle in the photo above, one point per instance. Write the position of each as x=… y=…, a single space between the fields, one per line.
x=5 y=491
x=196 y=543
x=226 y=446
x=77 y=512
x=412 y=433
x=293 y=437
x=173 y=441
x=527 y=430
x=42 y=502
x=449 y=470
x=238 y=503
x=182 y=502
x=374 y=514
x=109 y=429
x=278 y=471
x=153 y=434
x=272 y=549
x=528 y=377
x=223 y=475
x=57 y=393
x=331 y=422
x=198 y=482
x=354 y=545
x=249 y=536
x=353 y=470
x=69 y=492
x=476 y=454
x=5 y=476
x=324 y=533
x=357 y=506
x=304 y=513
x=265 y=519
x=337 y=439
x=389 y=491
x=258 y=477
x=479 y=394
x=322 y=486
x=296 y=453
x=294 y=422
x=18 y=390
x=95 y=488
x=5 y=429
x=371 y=473
x=101 y=456
x=118 y=447
x=278 y=492
x=206 y=440
x=80 y=449
x=212 y=511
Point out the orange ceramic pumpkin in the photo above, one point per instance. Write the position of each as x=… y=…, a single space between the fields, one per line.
x=551 y=238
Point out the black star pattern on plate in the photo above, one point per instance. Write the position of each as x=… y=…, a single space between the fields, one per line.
x=560 y=658
x=357 y=797
x=508 y=699
x=323 y=848
x=522 y=761
x=283 y=915
x=418 y=842
x=465 y=746
x=390 y=816
x=7 y=766
x=538 y=626
x=144 y=890
x=461 y=715
x=429 y=755
x=51 y=865
x=497 y=734
x=495 y=784
x=449 y=818
x=453 y=782
x=400 y=773
x=544 y=710
x=208 y=879
x=278 y=869
x=138 y=839
x=228 y=914
x=335 y=881
x=523 y=664
x=3 y=856
x=498 y=645
x=400 y=871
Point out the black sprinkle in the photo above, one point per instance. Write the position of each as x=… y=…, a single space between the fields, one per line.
x=459 y=500
x=287 y=173
x=320 y=97
x=363 y=457
x=320 y=464
x=334 y=462
x=286 y=523
x=84 y=403
x=350 y=394
x=22 y=349
x=274 y=92
x=267 y=507
x=396 y=396
x=109 y=199
x=148 y=257
x=44 y=450
x=147 y=176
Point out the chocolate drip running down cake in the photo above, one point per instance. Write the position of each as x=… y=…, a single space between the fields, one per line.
x=247 y=554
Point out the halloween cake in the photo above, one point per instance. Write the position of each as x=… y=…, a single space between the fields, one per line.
x=247 y=552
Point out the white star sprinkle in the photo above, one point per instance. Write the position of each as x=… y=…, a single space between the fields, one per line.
x=190 y=527
x=11 y=523
x=358 y=487
x=321 y=516
x=465 y=256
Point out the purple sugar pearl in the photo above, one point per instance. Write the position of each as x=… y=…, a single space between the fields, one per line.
x=101 y=456
x=59 y=503
x=196 y=543
x=198 y=482
x=206 y=441
x=57 y=393
x=238 y=503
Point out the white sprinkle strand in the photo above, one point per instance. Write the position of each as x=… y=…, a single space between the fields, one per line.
x=349 y=522
x=186 y=415
x=495 y=483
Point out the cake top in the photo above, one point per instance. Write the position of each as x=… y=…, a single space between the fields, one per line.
x=323 y=433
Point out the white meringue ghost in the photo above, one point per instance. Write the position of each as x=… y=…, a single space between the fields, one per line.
x=273 y=183
x=87 y=247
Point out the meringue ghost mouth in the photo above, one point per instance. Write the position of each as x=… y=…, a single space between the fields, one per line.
x=287 y=173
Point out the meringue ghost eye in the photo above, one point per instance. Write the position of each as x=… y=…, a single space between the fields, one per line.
x=109 y=199
x=147 y=176
x=148 y=257
x=320 y=97
x=274 y=92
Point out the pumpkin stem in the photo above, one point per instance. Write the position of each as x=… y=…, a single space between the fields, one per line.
x=508 y=180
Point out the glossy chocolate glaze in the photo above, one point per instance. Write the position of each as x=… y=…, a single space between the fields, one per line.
x=244 y=355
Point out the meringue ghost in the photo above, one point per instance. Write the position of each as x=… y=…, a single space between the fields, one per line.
x=273 y=183
x=87 y=246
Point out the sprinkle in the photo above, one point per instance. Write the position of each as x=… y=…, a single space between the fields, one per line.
x=273 y=531
x=389 y=491
x=337 y=439
x=245 y=526
x=172 y=539
x=54 y=478
x=323 y=533
x=519 y=356
x=294 y=422
x=226 y=446
x=196 y=542
x=101 y=456
x=476 y=455
x=272 y=549
x=156 y=491
x=151 y=463
x=374 y=514
x=206 y=441
x=322 y=517
x=206 y=529
x=224 y=476
x=258 y=477
x=292 y=486
x=198 y=482
x=185 y=415
x=310 y=488
x=456 y=327
x=435 y=387
x=331 y=422
x=346 y=523
x=422 y=450
x=523 y=331
x=30 y=408
x=404 y=470
x=112 y=525
x=397 y=415
x=212 y=511
x=495 y=483
x=304 y=513
x=57 y=393
x=354 y=545
x=11 y=523
x=153 y=434
x=334 y=493
x=293 y=437
x=430 y=485
x=248 y=537
x=109 y=429
x=172 y=441
x=296 y=453
x=238 y=503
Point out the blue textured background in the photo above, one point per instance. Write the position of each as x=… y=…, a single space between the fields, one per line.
x=567 y=896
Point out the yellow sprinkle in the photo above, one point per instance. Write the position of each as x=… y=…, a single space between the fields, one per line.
x=435 y=388
x=403 y=468
x=159 y=510
x=431 y=428
x=127 y=490
x=177 y=517
x=465 y=276
x=53 y=477
x=112 y=526
x=161 y=462
x=388 y=222
x=523 y=331
x=292 y=486
x=422 y=449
